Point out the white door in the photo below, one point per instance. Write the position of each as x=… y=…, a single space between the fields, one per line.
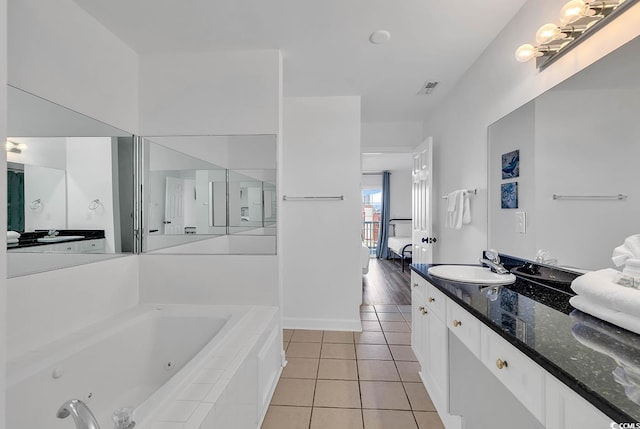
x=422 y=237
x=174 y=206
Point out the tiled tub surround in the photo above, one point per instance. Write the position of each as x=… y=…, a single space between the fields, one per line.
x=179 y=366
x=575 y=348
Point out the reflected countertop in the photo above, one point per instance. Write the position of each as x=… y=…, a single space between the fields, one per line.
x=30 y=239
x=599 y=361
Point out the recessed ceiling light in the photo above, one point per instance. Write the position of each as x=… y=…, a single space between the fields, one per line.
x=379 y=37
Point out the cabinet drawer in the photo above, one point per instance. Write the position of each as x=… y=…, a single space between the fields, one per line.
x=523 y=377
x=464 y=326
x=418 y=284
x=436 y=301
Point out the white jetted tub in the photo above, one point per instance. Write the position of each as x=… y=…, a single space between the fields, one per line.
x=171 y=363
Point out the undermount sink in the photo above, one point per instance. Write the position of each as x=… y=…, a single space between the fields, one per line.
x=471 y=274
x=59 y=238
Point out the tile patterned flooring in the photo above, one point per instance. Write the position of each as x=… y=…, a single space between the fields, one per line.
x=347 y=380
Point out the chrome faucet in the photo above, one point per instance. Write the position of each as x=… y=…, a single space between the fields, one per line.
x=82 y=415
x=493 y=261
x=52 y=233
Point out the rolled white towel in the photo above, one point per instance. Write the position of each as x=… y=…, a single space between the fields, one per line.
x=632 y=243
x=13 y=234
x=600 y=287
x=620 y=255
x=12 y=240
x=624 y=320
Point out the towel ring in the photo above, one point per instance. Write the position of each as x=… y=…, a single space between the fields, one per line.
x=35 y=204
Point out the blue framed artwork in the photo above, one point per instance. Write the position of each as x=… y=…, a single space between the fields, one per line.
x=509 y=193
x=511 y=165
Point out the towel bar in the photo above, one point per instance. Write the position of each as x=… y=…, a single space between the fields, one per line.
x=589 y=197
x=319 y=198
x=466 y=191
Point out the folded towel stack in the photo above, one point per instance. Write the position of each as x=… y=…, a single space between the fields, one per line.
x=600 y=295
x=13 y=237
x=458 y=211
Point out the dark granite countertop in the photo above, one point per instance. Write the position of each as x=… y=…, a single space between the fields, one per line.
x=30 y=239
x=599 y=361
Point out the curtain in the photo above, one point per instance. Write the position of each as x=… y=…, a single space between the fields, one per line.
x=383 y=234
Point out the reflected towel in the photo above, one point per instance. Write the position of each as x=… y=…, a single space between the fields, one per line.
x=12 y=240
x=466 y=210
x=600 y=287
x=627 y=321
x=13 y=234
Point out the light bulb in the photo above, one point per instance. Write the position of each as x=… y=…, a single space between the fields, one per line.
x=573 y=11
x=525 y=53
x=548 y=33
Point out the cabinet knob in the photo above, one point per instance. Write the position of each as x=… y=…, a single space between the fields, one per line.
x=415 y=285
x=422 y=309
x=431 y=299
x=457 y=323
x=501 y=363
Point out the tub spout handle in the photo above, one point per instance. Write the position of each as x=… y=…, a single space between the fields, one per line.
x=82 y=415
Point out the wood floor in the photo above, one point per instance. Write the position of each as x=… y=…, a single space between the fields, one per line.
x=385 y=283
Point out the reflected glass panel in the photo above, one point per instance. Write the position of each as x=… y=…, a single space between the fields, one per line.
x=70 y=187
x=578 y=149
x=205 y=194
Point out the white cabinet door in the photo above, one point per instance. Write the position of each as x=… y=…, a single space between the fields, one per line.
x=565 y=409
x=436 y=368
x=422 y=237
x=417 y=316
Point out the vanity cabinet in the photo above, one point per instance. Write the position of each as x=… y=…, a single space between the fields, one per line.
x=81 y=246
x=435 y=315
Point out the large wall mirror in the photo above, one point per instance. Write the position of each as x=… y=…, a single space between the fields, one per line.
x=578 y=175
x=69 y=187
x=209 y=194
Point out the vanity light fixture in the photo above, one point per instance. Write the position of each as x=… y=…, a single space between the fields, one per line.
x=14 y=147
x=578 y=19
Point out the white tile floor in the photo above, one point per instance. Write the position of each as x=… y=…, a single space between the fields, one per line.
x=345 y=380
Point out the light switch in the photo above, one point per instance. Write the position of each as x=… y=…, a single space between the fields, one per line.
x=521 y=222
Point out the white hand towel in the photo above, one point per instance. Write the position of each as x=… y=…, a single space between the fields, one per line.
x=466 y=210
x=618 y=318
x=632 y=267
x=600 y=287
x=620 y=255
x=451 y=209
x=13 y=234
x=12 y=240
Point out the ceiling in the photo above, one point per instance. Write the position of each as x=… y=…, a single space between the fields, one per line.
x=325 y=43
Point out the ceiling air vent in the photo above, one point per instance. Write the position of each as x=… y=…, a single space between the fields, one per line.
x=427 y=88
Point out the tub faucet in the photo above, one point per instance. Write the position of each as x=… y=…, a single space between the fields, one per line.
x=82 y=415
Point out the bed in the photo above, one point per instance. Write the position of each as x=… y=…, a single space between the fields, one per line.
x=399 y=243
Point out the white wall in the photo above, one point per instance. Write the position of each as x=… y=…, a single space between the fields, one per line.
x=322 y=278
x=61 y=53
x=3 y=213
x=210 y=93
x=49 y=186
x=499 y=84
x=391 y=136
x=47 y=306
x=231 y=92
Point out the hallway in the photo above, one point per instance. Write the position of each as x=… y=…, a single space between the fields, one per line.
x=386 y=283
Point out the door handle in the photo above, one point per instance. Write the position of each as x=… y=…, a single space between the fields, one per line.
x=166 y=222
x=429 y=240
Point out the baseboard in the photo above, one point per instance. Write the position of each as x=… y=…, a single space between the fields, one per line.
x=323 y=324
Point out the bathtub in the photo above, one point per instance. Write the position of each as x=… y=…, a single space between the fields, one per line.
x=173 y=364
